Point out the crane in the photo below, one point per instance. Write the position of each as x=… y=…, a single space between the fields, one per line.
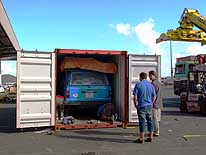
x=190 y=18
x=191 y=83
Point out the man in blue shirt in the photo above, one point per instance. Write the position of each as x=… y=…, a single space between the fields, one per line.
x=144 y=97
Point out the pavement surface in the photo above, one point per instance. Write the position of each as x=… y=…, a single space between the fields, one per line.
x=181 y=133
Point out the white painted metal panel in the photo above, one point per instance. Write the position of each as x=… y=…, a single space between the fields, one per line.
x=138 y=64
x=35 y=89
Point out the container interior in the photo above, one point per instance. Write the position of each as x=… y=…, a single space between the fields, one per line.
x=82 y=113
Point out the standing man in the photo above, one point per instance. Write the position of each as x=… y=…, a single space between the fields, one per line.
x=144 y=96
x=157 y=105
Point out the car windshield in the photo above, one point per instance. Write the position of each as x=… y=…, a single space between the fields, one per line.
x=88 y=78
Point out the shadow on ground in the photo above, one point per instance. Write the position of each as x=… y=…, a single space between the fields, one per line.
x=98 y=139
x=7 y=119
x=178 y=113
x=171 y=108
x=171 y=102
x=98 y=132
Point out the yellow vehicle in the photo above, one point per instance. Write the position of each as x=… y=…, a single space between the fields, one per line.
x=185 y=32
x=193 y=98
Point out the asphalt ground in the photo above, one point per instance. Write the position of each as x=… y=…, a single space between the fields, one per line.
x=181 y=133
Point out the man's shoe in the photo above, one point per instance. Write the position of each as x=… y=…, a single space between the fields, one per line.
x=112 y=119
x=139 y=141
x=115 y=116
x=156 y=134
x=148 y=140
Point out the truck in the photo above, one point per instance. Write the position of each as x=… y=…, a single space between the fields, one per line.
x=192 y=89
x=193 y=99
x=182 y=67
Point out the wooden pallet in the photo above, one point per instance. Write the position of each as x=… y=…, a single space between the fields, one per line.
x=129 y=125
x=87 y=125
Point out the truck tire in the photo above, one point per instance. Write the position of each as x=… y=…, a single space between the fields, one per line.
x=203 y=109
x=182 y=90
x=183 y=107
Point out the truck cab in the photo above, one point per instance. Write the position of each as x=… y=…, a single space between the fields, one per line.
x=181 y=75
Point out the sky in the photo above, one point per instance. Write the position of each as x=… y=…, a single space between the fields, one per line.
x=129 y=25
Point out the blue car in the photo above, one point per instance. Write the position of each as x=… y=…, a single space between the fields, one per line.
x=83 y=86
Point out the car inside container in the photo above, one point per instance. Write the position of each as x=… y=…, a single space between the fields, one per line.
x=86 y=87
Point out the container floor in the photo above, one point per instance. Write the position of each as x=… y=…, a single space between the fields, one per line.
x=84 y=116
x=90 y=124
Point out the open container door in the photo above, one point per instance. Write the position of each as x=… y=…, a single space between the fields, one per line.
x=35 y=89
x=138 y=64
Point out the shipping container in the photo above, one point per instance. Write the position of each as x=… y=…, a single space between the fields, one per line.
x=117 y=81
x=39 y=80
x=187 y=58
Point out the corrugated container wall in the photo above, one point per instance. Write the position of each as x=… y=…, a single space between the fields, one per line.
x=35 y=89
x=138 y=64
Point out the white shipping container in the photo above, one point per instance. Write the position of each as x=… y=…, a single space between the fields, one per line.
x=37 y=84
